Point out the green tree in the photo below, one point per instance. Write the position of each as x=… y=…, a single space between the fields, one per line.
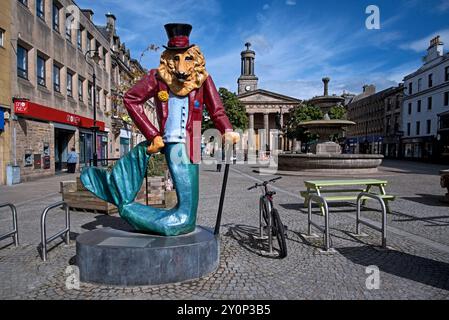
x=234 y=109
x=337 y=112
x=302 y=113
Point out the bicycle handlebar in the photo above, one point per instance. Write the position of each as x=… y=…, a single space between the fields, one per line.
x=264 y=183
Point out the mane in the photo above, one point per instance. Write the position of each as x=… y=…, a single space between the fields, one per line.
x=166 y=71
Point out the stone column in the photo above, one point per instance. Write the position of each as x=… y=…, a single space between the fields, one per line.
x=266 y=126
x=281 y=135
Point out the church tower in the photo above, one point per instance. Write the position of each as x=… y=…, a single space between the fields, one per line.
x=247 y=80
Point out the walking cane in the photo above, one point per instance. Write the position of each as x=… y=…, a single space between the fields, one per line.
x=223 y=192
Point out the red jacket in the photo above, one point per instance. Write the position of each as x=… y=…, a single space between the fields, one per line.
x=206 y=95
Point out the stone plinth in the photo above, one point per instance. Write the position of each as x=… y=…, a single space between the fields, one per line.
x=332 y=163
x=116 y=257
x=326 y=147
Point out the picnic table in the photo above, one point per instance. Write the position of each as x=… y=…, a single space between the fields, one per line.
x=345 y=190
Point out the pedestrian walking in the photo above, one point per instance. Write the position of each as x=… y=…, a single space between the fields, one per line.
x=72 y=160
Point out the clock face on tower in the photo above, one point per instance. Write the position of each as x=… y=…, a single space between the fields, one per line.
x=247 y=88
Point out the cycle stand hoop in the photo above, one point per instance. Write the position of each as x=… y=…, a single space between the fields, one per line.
x=320 y=200
x=359 y=220
x=15 y=232
x=65 y=233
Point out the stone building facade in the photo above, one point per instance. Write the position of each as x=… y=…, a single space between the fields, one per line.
x=426 y=103
x=266 y=110
x=393 y=130
x=368 y=111
x=56 y=50
x=5 y=87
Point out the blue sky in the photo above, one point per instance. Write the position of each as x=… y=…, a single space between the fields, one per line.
x=297 y=42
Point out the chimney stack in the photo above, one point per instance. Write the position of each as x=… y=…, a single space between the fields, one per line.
x=88 y=13
x=110 y=22
x=435 y=50
x=369 y=89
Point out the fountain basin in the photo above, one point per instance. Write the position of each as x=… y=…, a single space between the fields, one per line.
x=330 y=163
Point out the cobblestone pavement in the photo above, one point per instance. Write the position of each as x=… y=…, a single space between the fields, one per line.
x=415 y=267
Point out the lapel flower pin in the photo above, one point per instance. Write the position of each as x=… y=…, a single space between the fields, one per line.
x=163 y=96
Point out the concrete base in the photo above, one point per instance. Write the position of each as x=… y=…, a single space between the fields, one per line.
x=115 y=257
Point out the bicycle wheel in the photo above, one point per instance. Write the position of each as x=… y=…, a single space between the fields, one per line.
x=280 y=233
x=265 y=208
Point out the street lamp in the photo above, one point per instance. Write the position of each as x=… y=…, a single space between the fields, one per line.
x=96 y=58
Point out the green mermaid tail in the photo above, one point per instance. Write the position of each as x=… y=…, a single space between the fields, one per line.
x=121 y=185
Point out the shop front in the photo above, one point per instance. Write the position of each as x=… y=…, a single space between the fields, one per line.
x=419 y=148
x=45 y=136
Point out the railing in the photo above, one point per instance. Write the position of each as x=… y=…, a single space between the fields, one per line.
x=359 y=221
x=65 y=233
x=15 y=232
x=104 y=161
x=323 y=202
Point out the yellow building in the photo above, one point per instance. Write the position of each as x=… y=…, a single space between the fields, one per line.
x=5 y=87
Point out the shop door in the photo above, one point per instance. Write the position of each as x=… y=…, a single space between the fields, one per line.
x=62 y=138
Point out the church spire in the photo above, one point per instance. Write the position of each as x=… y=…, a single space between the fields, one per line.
x=247 y=80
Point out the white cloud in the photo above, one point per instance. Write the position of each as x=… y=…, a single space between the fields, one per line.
x=443 y=6
x=290 y=2
x=422 y=44
x=266 y=6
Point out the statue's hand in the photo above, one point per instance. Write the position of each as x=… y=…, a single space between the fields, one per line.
x=156 y=145
x=231 y=137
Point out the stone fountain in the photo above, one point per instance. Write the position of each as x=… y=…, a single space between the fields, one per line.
x=326 y=155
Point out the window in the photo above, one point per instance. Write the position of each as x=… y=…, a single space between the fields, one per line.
x=419 y=84
x=80 y=89
x=40 y=9
x=97 y=97
x=408 y=128
x=69 y=84
x=430 y=80
x=89 y=40
x=2 y=38
x=410 y=88
x=79 y=39
x=388 y=124
x=68 y=28
x=55 y=17
x=410 y=108
x=56 y=78
x=396 y=123
x=446 y=98
x=22 y=62
x=40 y=71
x=429 y=126
x=419 y=105
x=418 y=125
x=446 y=73
x=90 y=93
x=429 y=103
x=388 y=104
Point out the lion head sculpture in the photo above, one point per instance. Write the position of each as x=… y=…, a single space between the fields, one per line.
x=183 y=70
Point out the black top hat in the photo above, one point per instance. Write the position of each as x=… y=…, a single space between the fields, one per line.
x=178 y=36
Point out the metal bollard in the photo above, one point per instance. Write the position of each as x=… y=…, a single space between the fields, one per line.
x=15 y=232
x=65 y=232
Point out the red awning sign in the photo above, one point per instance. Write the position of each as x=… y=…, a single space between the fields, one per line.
x=37 y=111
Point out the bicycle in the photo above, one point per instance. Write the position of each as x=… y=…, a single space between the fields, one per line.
x=271 y=219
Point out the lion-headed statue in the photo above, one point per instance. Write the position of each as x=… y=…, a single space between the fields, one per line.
x=183 y=70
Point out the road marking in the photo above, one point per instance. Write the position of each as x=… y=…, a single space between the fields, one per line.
x=430 y=243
